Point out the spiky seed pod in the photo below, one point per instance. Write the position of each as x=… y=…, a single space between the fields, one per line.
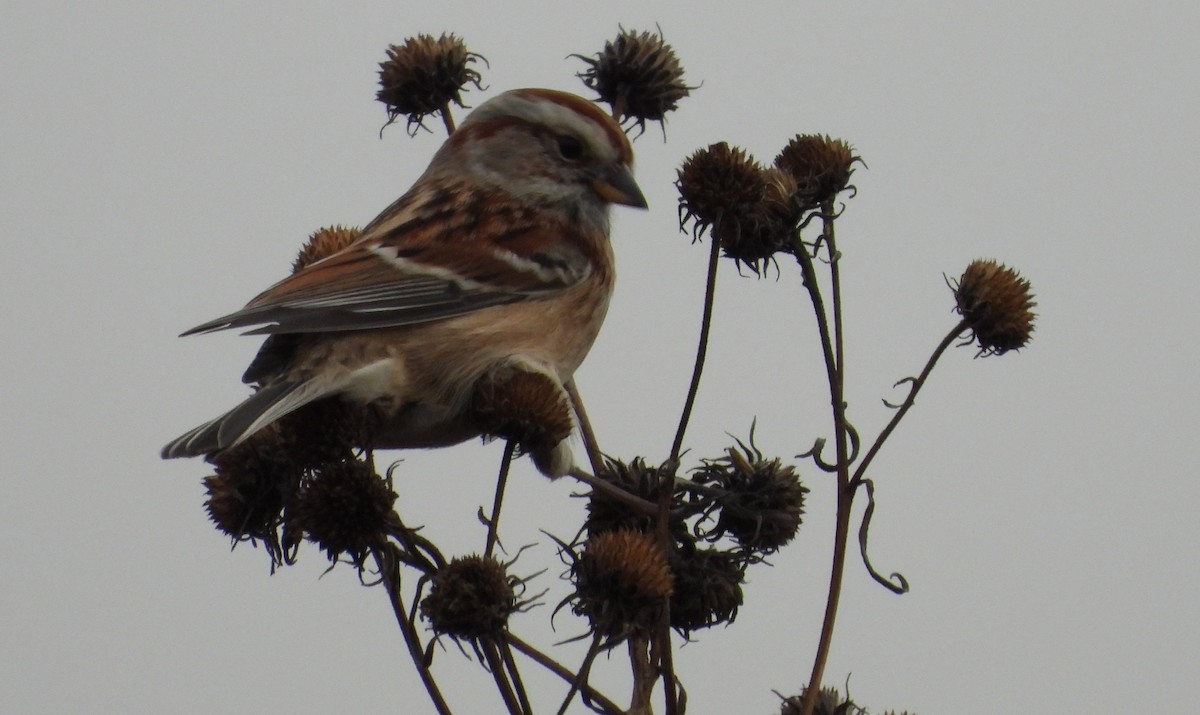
x=247 y=493
x=528 y=407
x=424 y=75
x=604 y=513
x=753 y=239
x=997 y=304
x=759 y=502
x=343 y=507
x=821 y=165
x=638 y=75
x=708 y=588
x=469 y=598
x=323 y=243
x=829 y=702
x=243 y=503
x=621 y=579
x=718 y=183
x=328 y=430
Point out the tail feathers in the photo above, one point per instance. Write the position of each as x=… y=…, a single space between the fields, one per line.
x=259 y=410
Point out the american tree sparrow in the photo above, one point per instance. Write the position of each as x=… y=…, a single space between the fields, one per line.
x=498 y=257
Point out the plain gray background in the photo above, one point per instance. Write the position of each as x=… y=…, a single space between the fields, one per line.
x=162 y=163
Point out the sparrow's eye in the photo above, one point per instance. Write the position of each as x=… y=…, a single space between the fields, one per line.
x=570 y=147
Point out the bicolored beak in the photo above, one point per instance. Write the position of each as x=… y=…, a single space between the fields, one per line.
x=618 y=187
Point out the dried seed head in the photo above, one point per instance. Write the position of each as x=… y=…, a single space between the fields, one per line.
x=528 y=407
x=753 y=240
x=244 y=500
x=718 y=183
x=328 y=430
x=605 y=513
x=829 y=702
x=424 y=75
x=621 y=579
x=247 y=493
x=821 y=165
x=343 y=507
x=324 y=243
x=638 y=75
x=708 y=588
x=759 y=502
x=469 y=598
x=997 y=304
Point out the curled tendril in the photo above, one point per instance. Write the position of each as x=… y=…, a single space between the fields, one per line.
x=813 y=214
x=855 y=442
x=900 y=585
x=819 y=447
x=815 y=455
x=912 y=383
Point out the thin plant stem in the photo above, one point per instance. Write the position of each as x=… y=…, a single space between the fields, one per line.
x=614 y=492
x=644 y=675
x=585 y=428
x=387 y=563
x=914 y=387
x=661 y=652
x=833 y=350
x=607 y=705
x=839 y=353
x=814 y=291
x=841 y=536
x=498 y=501
x=582 y=675
x=701 y=349
x=662 y=635
x=510 y=664
x=447 y=118
x=496 y=665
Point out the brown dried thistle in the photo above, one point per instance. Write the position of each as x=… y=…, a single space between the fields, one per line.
x=471 y=597
x=638 y=75
x=758 y=502
x=525 y=406
x=621 y=579
x=344 y=507
x=708 y=587
x=821 y=165
x=996 y=303
x=424 y=75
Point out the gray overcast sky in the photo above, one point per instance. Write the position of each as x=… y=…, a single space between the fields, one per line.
x=162 y=162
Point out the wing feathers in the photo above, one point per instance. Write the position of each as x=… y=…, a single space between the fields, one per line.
x=379 y=283
x=257 y=411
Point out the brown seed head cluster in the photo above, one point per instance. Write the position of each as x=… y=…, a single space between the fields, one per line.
x=708 y=588
x=621 y=579
x=997 y=304
x=820 y=165
x=829 y=702
x=716 y=182
x=328 y=430
x=324 y=243
x=343 y=507
x=424 y=75
x=759 y=502
x=638 y=75
x=753 y=212
x=244 y=504
x=247 y=494
x=604 y=513
x=525 y=406
x=469 y=598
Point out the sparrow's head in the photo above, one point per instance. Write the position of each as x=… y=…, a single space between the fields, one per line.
x=545 y=148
